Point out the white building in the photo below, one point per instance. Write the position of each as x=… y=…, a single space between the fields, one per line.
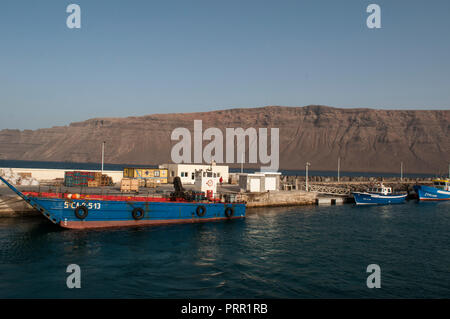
x=186 y=172
x=205 y=181
x=259 y=182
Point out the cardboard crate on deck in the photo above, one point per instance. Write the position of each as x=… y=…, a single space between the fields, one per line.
x=129 y=185
x=150 y=183
x=93 y=184
x=106 y=180
x=141 y=182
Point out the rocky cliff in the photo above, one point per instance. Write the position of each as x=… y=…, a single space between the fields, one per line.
x=365 y=139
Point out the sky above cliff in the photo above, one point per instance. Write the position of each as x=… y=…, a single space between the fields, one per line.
x=132 y=58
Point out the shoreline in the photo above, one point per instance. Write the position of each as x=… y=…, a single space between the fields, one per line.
x=93 y=166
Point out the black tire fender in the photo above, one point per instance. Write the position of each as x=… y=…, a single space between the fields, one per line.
x=138 y=213
x=81 y=215
x=229 y=211
x=201 y=211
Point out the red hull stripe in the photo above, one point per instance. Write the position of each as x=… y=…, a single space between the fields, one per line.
x=434 y=199
x=121 y=223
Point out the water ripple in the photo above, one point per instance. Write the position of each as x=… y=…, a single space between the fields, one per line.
x=297 y=252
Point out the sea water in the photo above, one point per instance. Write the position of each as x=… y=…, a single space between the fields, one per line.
x=296 y=252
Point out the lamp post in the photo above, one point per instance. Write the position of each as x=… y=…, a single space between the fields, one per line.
x=401 y=171
x=339 y=169
x=103 y=154
x=307 y=186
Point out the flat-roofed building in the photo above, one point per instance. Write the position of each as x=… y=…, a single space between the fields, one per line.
x=259 y=182
x=186 y=172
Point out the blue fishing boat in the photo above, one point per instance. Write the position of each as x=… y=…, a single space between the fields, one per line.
x=439 y=191
x=79 y=211
x=379 y=196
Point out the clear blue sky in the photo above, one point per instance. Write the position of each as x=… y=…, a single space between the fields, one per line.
x=134 y=57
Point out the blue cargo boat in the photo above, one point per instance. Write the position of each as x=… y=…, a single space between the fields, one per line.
x=379 y=196
x=79 y=211
x=439 y=191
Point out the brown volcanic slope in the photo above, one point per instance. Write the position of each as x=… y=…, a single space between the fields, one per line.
x=365 y=139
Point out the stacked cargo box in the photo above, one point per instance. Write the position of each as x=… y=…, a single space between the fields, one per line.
x=105 y=180
x=89 y=179
x=93 y=183
x=129 y=185
x=78 y=178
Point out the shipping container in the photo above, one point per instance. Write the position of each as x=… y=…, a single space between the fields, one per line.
x=77 y=178
x=159 y=175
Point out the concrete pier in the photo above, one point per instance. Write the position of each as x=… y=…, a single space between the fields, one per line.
x=279 y=198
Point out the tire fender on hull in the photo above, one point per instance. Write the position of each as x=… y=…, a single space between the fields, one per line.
x=82 y=215
x=201 y=211
x=229 y=212
x=138 y=213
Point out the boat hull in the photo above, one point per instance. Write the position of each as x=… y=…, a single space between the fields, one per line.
x=378 y=199
x=428 y=193
x=102 y=214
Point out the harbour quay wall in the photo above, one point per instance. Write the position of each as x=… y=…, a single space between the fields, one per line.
x=45 y=174
x=279 y=198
